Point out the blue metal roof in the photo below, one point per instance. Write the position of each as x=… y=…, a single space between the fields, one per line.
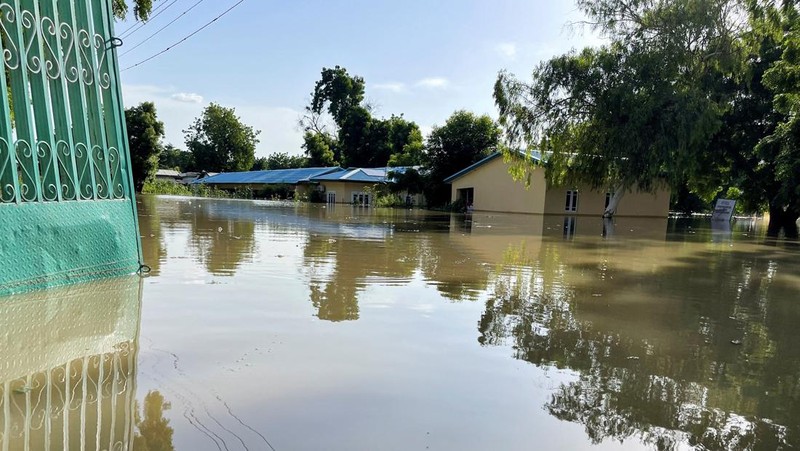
x=361 y=175
x=535 y=155
x=274 y=176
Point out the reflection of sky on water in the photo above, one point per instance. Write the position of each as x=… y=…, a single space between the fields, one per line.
x=376 y=327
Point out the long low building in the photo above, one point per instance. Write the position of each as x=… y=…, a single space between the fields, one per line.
x=335 y=185
x=487 y=186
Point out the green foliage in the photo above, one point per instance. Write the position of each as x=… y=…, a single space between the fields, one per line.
x=338 y=93
x=220 y=142
x=410 y=181
x=153 y=431
x=173 y=158
x=280 y=160
x=141 y=9
x=359 y=139
x=144 y=140
x=779 y=151
x=165 y=187
x=319 y=149
x=464 y=139
x=641 y=109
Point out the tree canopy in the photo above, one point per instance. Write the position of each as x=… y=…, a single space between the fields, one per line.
x=340 y=128
x=676 y=96
x=220 y=142
x=464 y=139
x=144 y=140
x=173 y=158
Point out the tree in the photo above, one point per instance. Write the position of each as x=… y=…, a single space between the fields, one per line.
x=337 y=92
x=154 y=431
x=173 y=158
x=141 y=9
x=406 y=144
x=144 y=140
x=319 y=148
x=778 y=153
x=280 y=160
x=640 y=110
x=220 y=142
x=357 y=138
x=464 y=139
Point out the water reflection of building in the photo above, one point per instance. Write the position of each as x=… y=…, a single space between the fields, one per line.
x=68 y=367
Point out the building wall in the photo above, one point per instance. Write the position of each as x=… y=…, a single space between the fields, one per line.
x=495 y=190
x=344 y=191
x=593 y=203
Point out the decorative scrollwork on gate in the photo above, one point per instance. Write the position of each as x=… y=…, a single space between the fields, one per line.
x=61 y=139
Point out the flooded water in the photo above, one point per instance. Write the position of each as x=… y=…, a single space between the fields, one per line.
x=294 y=327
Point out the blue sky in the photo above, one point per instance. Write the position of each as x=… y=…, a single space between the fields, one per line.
x=422 y=59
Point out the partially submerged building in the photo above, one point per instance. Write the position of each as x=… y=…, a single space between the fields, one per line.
x=333 y=185
x=487 y=186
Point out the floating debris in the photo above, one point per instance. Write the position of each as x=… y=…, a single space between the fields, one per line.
x=736 y=342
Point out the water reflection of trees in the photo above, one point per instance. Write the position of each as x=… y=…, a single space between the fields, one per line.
x=658 y=357
x=154 y=432
x=339 y=268
x=222 y=233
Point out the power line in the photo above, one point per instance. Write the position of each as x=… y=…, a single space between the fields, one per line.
x=186 y=38
x=141 y=25
x=161 y=29
x=137 y=23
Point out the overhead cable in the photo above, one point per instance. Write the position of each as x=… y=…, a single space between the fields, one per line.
x=185 y=38
x=161 y=29
x=141 y=25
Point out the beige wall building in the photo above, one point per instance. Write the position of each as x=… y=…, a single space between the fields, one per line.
x=488 y=186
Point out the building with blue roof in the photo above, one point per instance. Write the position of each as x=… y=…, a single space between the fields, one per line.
x=334 y=184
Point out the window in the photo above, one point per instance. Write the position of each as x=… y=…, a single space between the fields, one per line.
x=361 y=199
x=331 y=197
x=572 y=201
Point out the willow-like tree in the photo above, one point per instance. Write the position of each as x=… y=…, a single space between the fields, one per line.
x=635 y=113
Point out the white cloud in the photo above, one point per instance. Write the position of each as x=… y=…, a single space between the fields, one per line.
x=187 y=97
x=434 y=83
x=391 y=86
x=278 y=125
x=507 y=49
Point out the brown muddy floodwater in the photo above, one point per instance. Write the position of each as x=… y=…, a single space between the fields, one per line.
x=300 y=327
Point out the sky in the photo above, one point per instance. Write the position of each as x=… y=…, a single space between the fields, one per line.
x=421 y=59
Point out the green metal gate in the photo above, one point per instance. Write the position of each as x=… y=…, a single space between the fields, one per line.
x=67 y=210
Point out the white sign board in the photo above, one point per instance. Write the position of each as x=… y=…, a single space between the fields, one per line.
x=723 y=211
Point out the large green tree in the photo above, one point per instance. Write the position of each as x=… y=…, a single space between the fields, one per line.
x=220 y=142
x=144 y=140
x=340 y=128
x=640 y=110
x=464 y=139
x=773 y=175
